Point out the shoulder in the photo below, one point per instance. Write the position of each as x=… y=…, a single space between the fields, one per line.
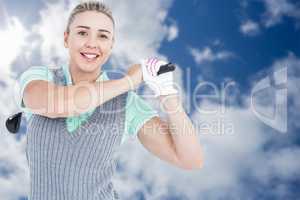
x=105 y=75
x=40 y=69
x=30 y=74
x=36 y=72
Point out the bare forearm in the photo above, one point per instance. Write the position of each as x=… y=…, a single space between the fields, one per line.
x=186 y=142
x=77 y=99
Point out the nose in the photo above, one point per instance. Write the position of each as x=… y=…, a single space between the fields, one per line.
x=91 y=42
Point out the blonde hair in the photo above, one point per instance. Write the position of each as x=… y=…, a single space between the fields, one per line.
x=89 y=6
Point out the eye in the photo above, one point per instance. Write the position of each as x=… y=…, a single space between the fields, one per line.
x=82 y=33
x=103 y=36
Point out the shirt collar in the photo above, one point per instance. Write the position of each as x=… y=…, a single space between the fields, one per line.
x=67 y=75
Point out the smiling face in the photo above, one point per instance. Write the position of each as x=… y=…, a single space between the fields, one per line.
x=89 y=41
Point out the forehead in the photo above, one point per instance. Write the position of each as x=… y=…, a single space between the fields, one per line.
x=94 y=20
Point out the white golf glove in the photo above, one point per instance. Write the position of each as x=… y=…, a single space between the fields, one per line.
x=161 y=84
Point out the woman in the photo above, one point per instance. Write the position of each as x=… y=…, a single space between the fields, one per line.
x=77 y=117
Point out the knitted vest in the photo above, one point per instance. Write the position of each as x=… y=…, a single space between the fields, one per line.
x=77 y=165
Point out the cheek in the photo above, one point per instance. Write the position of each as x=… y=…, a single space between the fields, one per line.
x=107 y=48
x=76 y=43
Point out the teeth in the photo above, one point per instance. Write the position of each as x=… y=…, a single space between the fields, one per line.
x=90 y=55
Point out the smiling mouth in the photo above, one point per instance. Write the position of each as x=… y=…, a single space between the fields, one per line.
x=89 y=56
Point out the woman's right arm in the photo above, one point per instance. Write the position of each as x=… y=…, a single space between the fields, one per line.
x=50 y=100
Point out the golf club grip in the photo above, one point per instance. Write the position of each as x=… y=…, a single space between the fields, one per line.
x=166 y=68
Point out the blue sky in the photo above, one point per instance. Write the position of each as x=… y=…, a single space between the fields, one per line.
x=210 y=41
x=203 y=22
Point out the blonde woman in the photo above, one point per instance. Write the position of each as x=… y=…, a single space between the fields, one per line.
x=78 y=117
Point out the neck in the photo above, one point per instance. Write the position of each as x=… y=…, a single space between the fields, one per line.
x=78 y=75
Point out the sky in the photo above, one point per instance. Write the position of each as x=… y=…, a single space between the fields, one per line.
x=238 y=68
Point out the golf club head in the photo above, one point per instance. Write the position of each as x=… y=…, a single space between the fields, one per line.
x=166 y=68
x=13 y=123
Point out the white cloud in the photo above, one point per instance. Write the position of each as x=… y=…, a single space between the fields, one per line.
x=50 y=29
x=275 y=12
x=12 y=40
x=277 y=9
x=139 y=30
x=283 y=163
x=228 y=158
x=13 y=160
x=173 y=32
x=292 y=63
x=207 y=55
x=3 y=16
x=217 y=42
x=250 y=28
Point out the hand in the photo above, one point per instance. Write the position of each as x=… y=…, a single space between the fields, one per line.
x=135 y=75
x=161 y=84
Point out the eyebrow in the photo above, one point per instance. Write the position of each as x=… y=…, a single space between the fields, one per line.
x=100 y=30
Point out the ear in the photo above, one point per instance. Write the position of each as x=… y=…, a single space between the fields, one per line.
x=66 y=35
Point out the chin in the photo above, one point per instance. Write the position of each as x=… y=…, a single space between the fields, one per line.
x=89 y=69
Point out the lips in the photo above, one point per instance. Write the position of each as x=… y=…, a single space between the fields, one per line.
x=89 y=56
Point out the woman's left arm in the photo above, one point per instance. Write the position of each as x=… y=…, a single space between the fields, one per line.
x=174 y=140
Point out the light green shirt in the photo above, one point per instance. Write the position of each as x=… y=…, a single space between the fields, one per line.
x=138 y=111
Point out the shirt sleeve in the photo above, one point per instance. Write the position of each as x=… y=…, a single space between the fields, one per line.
x=33 y=73
x=138 y=112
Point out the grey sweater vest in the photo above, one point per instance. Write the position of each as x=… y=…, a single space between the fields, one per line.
x=78 y=165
